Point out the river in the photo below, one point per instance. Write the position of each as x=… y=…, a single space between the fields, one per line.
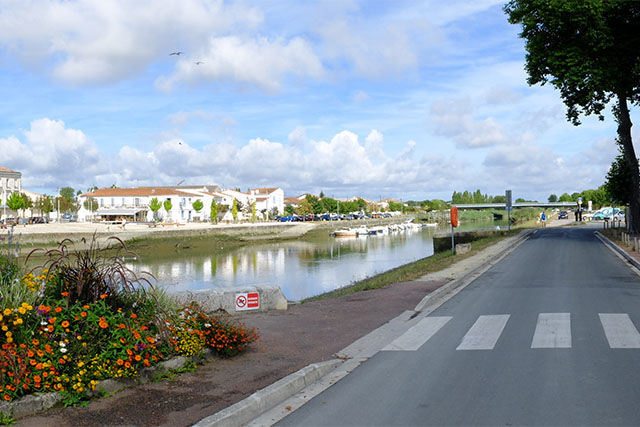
x=302 y=268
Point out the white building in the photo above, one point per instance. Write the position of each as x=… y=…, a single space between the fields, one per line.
x=133 y=204
x=268 y=200
x=10 y=182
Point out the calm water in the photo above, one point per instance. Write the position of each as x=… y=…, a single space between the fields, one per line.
x=301 y=268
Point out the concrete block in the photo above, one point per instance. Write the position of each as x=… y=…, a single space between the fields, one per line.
x=30 y=404
x=271 y=298
x=463 y=248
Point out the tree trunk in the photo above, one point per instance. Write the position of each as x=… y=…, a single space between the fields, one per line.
x=624 y=134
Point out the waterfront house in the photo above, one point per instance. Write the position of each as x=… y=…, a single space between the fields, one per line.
x=10 y=182
x=133 y=204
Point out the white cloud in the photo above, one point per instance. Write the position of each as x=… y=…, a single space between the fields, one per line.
x=93 y=41
x=454 y=119
x=52 y=155
x=258 y=61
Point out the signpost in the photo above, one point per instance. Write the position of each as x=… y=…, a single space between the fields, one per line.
x=509 y=208
x=454 y=223
x=247 y=301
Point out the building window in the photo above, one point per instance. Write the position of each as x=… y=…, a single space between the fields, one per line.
x=136 y=202
x=101 y=202
x=113 y=201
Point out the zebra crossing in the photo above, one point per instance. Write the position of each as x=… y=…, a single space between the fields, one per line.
x=552 y=330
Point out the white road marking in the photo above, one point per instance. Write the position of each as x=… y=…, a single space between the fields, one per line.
x=418 y=334
x=619 y=330
x=484 y=334
x=553 y=330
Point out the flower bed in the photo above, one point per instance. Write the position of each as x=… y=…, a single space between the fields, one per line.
x=82 y=318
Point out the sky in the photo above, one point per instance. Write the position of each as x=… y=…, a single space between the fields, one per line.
x=405 y=99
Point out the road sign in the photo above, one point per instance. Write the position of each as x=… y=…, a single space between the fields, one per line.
x=247 y=301
x=508 y=203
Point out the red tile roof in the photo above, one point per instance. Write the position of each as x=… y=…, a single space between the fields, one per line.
x=6 y=170
x=137 y=192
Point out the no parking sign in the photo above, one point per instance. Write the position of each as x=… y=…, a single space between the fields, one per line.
x=247 y=301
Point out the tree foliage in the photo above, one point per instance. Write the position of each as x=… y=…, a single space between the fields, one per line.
x=552 y=198
x=214 y=211
x=15 y=201
x=234 y=210
x=198 y=205
x=167 y=206
x=617 y=181
x=68 y=193
x=588 y=50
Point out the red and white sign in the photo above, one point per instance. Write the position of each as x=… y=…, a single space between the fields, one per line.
x=247 y=301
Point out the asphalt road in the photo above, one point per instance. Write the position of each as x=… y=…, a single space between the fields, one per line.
x=546 y=337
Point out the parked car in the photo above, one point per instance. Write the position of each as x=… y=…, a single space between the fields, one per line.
x=563 y=215
x=38 y=220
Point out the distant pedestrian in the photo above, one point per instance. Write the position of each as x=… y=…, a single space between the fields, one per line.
x=543 y=219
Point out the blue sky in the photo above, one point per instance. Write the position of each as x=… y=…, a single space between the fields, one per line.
x=403 y=99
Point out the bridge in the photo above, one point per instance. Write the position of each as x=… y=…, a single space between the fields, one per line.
x=503 y=206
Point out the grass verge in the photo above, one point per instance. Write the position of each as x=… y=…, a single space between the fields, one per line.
x=416 y=269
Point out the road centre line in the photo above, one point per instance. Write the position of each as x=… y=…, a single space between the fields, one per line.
x=418 y=334
x=484 y=333
x=620 y=330
x=553 y=330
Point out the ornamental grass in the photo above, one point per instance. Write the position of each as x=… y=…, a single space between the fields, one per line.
x=82 y=317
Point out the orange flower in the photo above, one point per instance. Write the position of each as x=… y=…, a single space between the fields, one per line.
x=7 y=397
x=103 y=296
x=138 y=357
x=65 y=324
x=83 y=314
x=52 y=320
x=30 y=353
x=48 y=348
x=39 y=367
x=129 y=352
x=37 y=378
x=65 y=294
x=86 y=306
x=103 y=323
x=50 y=328
x=62 y=361
x=35 y=341
x=127 y=365
x=40 y=353
x=146 y=362
x=120 y=362
x=134 y=316
x=58 y=309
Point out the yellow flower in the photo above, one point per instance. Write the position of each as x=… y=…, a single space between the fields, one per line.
x=7 y=311
x=22 y=310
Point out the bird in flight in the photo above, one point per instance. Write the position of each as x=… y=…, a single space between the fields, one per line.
x=199 y=63
x=175 y=53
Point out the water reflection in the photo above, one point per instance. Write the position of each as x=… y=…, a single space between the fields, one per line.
x=301 y=268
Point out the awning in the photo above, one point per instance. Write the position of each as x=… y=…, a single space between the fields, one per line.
x=119 y=211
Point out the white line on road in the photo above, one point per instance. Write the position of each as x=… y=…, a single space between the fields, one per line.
x=553 y=330
x=418 y=334
x=484 y=334
x=620 y=331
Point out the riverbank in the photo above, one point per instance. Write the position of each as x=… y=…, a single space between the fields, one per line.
x=289 y=340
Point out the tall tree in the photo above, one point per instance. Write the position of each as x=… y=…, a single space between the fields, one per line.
x=26 y=203
x=68 y=193
x=617 y=181
x=234 y=210
x=214 y=211
x=552 y=198
x=588 y=50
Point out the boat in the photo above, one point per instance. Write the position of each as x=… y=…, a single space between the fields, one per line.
x=377 y=230
x=346 y=232
x=362 y=231
x=431 y=224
